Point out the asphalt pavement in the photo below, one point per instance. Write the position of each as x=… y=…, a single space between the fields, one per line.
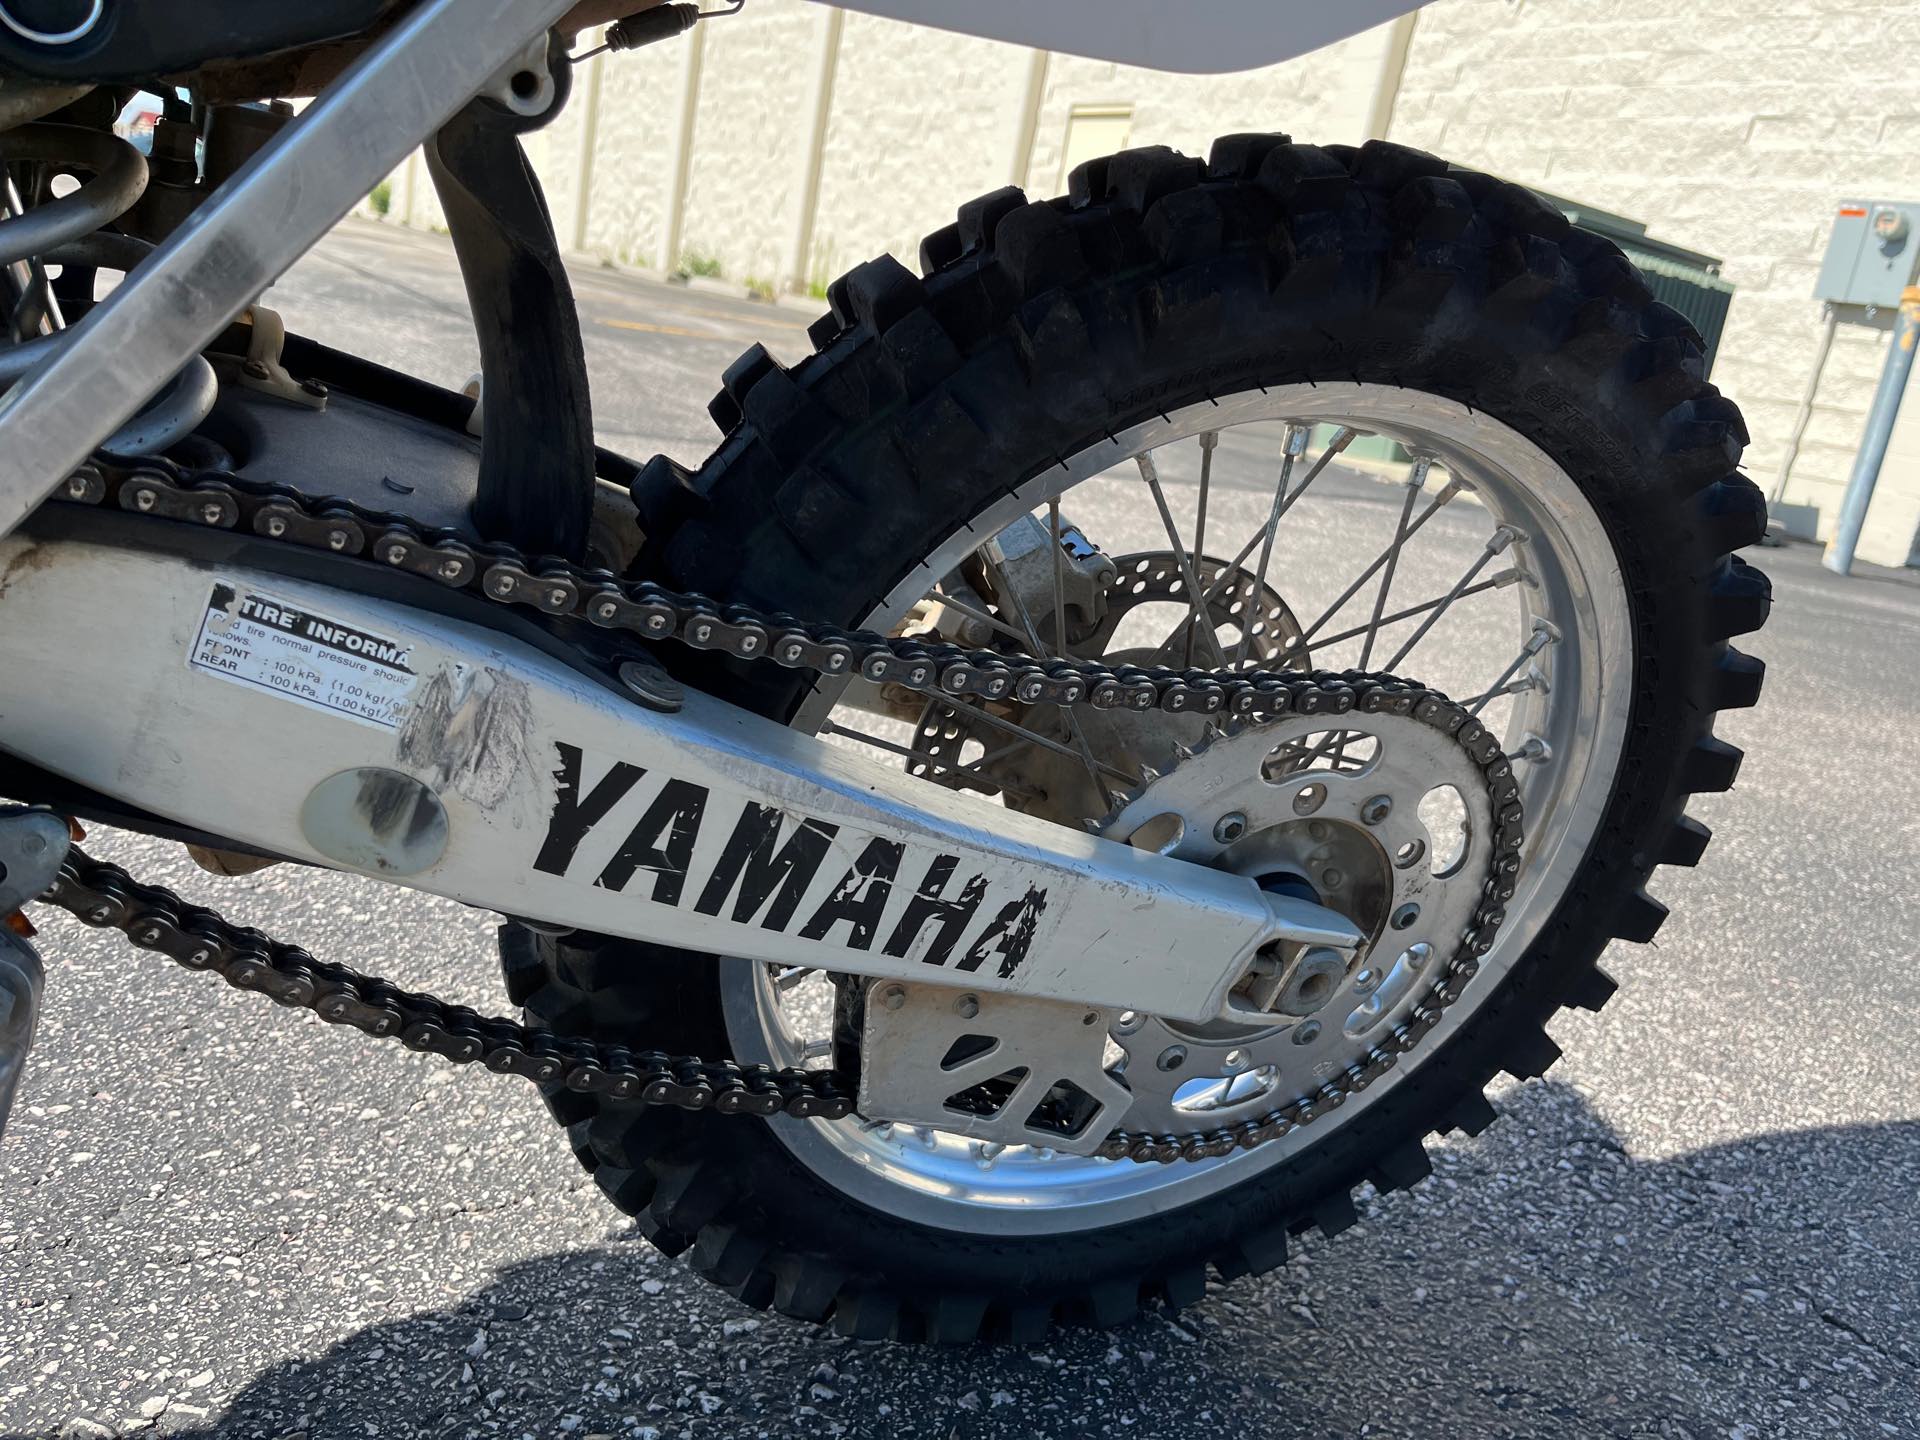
x=221 y=1219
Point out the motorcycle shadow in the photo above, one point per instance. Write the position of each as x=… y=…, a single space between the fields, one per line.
x=1544 y=1281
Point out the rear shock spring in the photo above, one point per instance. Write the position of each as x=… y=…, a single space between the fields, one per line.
x=43 y=229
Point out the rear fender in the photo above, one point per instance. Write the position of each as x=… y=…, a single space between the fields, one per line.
x=1209 y=38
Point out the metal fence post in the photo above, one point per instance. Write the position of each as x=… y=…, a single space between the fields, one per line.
x=1873 y=444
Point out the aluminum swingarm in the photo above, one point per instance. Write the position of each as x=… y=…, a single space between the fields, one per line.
x=312 y=722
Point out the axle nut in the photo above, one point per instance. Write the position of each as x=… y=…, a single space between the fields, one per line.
x=1310 y=982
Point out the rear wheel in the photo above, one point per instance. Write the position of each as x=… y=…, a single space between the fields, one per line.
x=1163 y=359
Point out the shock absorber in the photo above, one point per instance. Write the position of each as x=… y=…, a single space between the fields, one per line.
x=39 y=229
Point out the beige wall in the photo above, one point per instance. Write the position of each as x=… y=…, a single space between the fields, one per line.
x=1728 y=126
x=922 y=120
x=919 y=121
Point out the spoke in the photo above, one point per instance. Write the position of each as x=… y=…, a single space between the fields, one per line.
x=1447 y=492
x=1532 y=680
x=1292 y=448
x=1502 y=537
x=1332 y=738
x=1209 y=439
x=982 y=616
x=1492 y=582
x=1545 y=632
x=1059 y=577
x=1533 y=750
x=1416 y=482
x=987 y=717
x=1196 y=615
x=1005 y=586
x=1341 y=439
x=893 y=747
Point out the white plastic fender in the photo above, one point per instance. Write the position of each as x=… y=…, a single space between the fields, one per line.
x=1203 y=37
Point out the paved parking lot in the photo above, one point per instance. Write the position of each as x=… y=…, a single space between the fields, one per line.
x=220 y=1219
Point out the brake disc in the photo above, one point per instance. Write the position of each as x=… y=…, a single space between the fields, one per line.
x=1144 y=602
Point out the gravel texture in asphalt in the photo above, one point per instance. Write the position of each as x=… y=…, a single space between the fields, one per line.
x=218 y=1218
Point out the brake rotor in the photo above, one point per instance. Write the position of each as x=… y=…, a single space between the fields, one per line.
x=1247 y=623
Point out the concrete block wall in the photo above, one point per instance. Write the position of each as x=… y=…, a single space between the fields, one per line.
x=917 y=121
x=750 y=134
x=1728 y=127
x=921 y=120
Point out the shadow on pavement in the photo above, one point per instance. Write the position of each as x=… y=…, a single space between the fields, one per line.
x=1542 y=1282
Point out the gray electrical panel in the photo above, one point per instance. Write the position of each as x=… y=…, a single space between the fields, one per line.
x=1873 y=255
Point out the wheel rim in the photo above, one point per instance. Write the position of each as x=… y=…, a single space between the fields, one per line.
x=1568 y=730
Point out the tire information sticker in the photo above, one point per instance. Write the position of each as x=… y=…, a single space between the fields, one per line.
x=255 y=639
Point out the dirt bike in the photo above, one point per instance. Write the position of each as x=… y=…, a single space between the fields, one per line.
x=975 y=851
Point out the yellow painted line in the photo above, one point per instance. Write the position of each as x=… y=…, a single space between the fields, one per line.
x=661 y=329
x=738 y=319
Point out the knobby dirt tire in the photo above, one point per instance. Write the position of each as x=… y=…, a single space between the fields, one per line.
x=1037 y=329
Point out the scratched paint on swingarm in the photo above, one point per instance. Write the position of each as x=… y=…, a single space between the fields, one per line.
x=615 y=827
x=258 y=640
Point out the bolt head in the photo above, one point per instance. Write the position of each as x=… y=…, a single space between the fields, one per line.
x=1376 y=810
x=276 y=526
x=967 y=1006
x=1230 y=827
x=337 y=539
x=212 y=512
x=1171 y=1058
x=893 y=997
x=143 y=500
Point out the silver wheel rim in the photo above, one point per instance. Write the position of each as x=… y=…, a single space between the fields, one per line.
x=1575 y=726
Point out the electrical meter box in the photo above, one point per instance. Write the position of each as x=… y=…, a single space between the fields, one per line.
x=1873 y=255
